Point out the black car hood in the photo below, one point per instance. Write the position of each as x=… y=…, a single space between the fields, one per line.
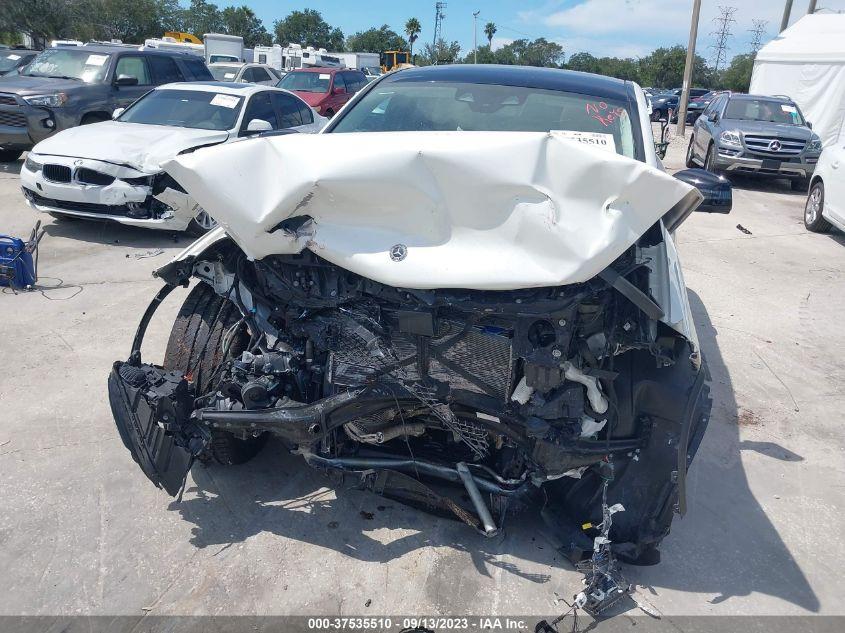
x=25 y=85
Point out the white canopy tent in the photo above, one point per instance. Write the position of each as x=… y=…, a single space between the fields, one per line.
x=807 y=63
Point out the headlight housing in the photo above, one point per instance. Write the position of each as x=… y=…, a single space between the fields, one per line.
x=53 y=101
x=730 y=137
x=31 y=164
x=815 y=145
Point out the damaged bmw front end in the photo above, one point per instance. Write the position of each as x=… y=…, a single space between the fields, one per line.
x=502 y=315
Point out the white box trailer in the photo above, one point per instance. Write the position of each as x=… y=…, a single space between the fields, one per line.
x=170 y=44
x=223 y=48
x=359 y=60
x=270 y=55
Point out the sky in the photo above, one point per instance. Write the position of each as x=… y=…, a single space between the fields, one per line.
x=626 y=28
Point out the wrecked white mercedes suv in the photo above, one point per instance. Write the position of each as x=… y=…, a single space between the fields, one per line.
x=464 y=293
x=112 y=170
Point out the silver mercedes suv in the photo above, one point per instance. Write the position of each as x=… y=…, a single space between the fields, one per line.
x=755 y=134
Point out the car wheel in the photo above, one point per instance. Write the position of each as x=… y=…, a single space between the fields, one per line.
x=201 y=224
x=813 y=219
x=195 y=347
x=710 y=159
x=9 y=155
x=800 y=184
x=691 y=153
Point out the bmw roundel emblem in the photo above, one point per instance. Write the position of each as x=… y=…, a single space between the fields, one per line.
x=398 y=252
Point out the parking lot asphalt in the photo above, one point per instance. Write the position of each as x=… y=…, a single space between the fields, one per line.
x=83 y=532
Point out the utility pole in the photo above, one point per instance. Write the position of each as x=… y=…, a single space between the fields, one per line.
x=811 y=8
x=757 y=34
x=693 y=35
x=787 y=9
x=722 y=35
x=438 y=23
x=475 y=37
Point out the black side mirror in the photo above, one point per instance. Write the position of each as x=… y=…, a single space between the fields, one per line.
x=809 y=125
x=718 y=196
x=126 y=80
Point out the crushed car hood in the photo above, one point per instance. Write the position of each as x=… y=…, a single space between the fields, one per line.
x=143 y=147
x=478 y=210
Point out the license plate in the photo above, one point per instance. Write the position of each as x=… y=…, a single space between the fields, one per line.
x=773 y=165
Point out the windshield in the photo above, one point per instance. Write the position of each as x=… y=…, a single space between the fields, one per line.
x=185 y=108
x=306 y=82
x=372 y=71
x=763 y=110
x=69 y=63
x=223 y=73
x=9 y=61
x=414 y=106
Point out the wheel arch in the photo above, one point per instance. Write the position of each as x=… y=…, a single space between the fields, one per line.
x=215 y=244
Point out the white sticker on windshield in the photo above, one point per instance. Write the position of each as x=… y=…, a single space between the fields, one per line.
x=228 y=75
x=788 y=108
x=226 y=101
x=13 y=56
x=325 y=76
x=96 y=60
x=593 y=139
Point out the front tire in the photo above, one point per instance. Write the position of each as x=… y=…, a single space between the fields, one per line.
x=201 y=224
x=691 y=153
x=9 y=155
x=710 y=159
x=813 y=219
x=195 y=347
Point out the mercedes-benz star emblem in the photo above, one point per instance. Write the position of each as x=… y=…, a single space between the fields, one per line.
x=398 y=252
x=774 y=146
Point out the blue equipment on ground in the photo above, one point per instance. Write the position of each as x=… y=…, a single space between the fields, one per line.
x=19 y=259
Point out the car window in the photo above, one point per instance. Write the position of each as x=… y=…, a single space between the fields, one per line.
x=88 y=66
x=305 y=113
x=196 y=70
x=164 y=69
x=253 y=75
x=260 y=107
x=289 y=109
x=185 y=108
x=134 y=66
x=306 y=81
x=338 y=81
x=410 y=106
x=767 y=110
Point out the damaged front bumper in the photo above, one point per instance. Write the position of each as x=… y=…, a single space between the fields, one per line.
x=93 y=189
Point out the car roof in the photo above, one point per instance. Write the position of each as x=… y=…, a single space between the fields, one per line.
x=522 y=76
x=320 y=69
x=227 y=64
x=746 y=97
x=222 y=87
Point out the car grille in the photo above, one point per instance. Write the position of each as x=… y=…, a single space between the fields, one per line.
x=56 y=173
x=91 y=177
x=87 y=207
x=6 y=99
x=13 y=119
x=760 y=145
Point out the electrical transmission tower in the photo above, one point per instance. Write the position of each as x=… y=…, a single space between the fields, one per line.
x=721 y=35
x=439 y=16
x=757 y=34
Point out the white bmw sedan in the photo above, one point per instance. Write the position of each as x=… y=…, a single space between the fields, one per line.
x=113 y=170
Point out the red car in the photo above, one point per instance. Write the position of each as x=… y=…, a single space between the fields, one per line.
x=324 y=89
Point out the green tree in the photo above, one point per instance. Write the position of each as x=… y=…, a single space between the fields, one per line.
x=131 y=21
x=243 y=21
x=44 y=19
x=203 y=17
x=737 y=76
x=664 y=68
x=490 y=30
x=412 y=31
x=375 y=40
x=308 y=28
x=442 y=52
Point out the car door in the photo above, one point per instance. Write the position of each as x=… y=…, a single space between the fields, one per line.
x=259 y=107
x=293 y=113
x=164 y=70
x=704 y=128
x=124 y=92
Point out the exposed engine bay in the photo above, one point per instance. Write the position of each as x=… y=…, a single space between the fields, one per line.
x=515 y=395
